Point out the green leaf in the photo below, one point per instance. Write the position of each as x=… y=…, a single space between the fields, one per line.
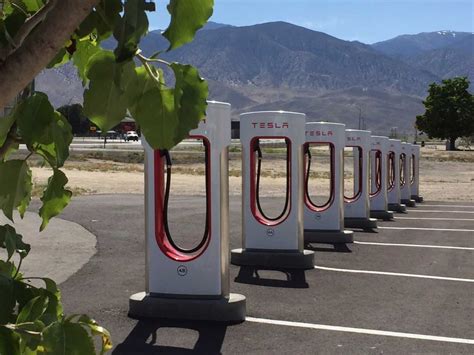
x=33 y=114
x=5 y=124
x=30 y=333
x=187 y=17
x=33 y=310
x=105 y=102
x=54 y=144
x=62 y=57
x=191 y=93
x=55 y=197
x=156 y=115
x=96 y=329
x=130 y=29
x=13 y=242
x=7 y=294
x=44 y=130
x=101 y=21
x=15 y=187
x=84 y=52
x=9 y=341
x=66 y=338
x=138 y=84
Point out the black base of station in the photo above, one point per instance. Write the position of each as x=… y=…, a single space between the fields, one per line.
x=229 y=310
x=383 y=215
x=328 y=236
x=409 y=203
x=361 y=223
x=273 y=259
x=397 y=207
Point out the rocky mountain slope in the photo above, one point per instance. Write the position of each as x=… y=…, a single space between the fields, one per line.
x=283 y=66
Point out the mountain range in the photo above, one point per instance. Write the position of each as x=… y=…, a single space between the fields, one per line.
x=280 y=66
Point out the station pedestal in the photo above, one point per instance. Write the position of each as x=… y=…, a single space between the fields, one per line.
x=230 y=309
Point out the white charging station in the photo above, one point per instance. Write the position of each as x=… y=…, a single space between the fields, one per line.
x=190 y=283
x=379 y=178
x=357 y=206
x=272 y=242
x=415 y=173
x=393 y=188
x=405 y=175
x=324 y=223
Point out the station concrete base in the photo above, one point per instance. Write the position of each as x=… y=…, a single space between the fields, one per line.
x=397 y=207
x=273 y=259
x=383 y=215
x=361 y=223
x=409 y=203
x=328 y=236
x=418 y=199
x=229 y=310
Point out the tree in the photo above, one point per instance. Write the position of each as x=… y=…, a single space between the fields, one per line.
x=449 y=111
x=35 y=34
x=75 y=116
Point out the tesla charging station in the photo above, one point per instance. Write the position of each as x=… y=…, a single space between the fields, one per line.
x=272 y=242
x=324 y=222
x=357 y=206
x=190 y=283
x=379 y=178
x=393 y=188
x=415 y=173
x=405 y=175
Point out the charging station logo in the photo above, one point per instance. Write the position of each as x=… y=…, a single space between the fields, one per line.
x=182 y=270
x=270 y=232
x=270 y=125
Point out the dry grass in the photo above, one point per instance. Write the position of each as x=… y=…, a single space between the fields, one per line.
x=444 y=175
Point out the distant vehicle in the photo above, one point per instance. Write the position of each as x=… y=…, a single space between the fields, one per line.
x=131 y=136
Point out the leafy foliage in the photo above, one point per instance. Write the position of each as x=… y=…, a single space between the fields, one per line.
x=449 y=110
x=32 y=320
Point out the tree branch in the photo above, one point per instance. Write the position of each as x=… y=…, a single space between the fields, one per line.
x=41 y=46
x=26 y=29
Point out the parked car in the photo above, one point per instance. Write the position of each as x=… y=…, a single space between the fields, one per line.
x=131 y=136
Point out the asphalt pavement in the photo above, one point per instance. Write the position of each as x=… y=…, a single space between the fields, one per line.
x=394 y=291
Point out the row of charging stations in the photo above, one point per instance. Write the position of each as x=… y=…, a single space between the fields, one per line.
x=193 y=283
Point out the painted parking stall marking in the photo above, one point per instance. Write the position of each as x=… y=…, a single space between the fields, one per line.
x=436 y=219
x=430 y=229
x=439 y=211
x=455 y=279
x=361 y=331
x=415 y=245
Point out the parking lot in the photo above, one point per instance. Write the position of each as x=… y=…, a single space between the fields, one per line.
x=407 y=288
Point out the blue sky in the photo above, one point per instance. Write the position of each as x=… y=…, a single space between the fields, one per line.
x=367 y=21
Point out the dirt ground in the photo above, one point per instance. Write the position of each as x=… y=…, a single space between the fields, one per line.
x=444 y=176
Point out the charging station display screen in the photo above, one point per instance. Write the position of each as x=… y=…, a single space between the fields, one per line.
x=270 y=206
x=376 y=173
x=352 y=173
x=319 y=175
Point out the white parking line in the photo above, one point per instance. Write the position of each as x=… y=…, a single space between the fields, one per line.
x=454 y=206
x=437 y=219
x=414 y=245
x=438 y=211
x=394 y=274
x=429 y=229
x=360 y=330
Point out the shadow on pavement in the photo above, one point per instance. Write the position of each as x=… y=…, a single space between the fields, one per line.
x=144 y=338
x=337 y=248
x=255 y=276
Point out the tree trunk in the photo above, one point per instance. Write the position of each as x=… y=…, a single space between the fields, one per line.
x=452 y=144
x=40 y=47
